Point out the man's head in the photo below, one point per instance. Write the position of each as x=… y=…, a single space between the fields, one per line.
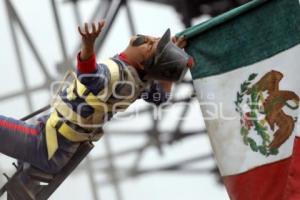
x=160 y=58
x=140 y=49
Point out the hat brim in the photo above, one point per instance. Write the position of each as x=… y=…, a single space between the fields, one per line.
x=165 y=39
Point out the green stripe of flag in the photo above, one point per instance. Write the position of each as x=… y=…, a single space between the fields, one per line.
x=195 y=30
x=243 y=36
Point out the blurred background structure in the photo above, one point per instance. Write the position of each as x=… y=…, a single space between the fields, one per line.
x=146 y=153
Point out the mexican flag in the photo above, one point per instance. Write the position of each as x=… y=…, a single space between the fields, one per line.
x=247 y=80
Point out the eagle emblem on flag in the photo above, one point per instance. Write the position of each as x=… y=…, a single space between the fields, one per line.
x=267 y=113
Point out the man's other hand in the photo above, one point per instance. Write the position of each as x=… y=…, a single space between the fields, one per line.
x=179 y=41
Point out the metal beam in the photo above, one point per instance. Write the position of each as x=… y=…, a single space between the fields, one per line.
x=32 y=46
x=22 y=92
x=90 y=173
x=11 y=17
x=60 y=35
x=112 y=169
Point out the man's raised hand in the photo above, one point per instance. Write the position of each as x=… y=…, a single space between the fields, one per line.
x=88 y=38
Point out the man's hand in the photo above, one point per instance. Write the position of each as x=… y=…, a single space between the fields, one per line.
x=180 y=42
x=89 y=38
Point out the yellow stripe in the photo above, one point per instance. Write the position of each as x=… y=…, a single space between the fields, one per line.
x=70 y=93
x=68 y=112
x=51 y=134
x=72 y=135
x=97 y=102
x=51 y=140
x=114 y=73
x=80 y=88
x=66 y=131
x=104 y=94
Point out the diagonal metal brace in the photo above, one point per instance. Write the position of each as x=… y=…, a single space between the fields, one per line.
x=33 y=184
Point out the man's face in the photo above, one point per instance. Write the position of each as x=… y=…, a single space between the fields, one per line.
x=145 y=45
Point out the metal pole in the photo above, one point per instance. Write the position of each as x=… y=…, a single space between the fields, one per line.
x=112 y=169
x=110 y=18
x=130 y=17
x=39 y=111
x=92 y=180
x=77 y=12
x=60 y=34
x=18 y=20
x=20 y=93
x=18 y=54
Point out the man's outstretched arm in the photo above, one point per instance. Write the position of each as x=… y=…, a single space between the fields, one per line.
x=86 y=59
x=94 y=76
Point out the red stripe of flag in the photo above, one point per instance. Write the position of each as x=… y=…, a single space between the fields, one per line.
x=292 y=191
x=275 y=181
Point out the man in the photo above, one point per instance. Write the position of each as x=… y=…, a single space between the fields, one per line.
x=98 y=91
